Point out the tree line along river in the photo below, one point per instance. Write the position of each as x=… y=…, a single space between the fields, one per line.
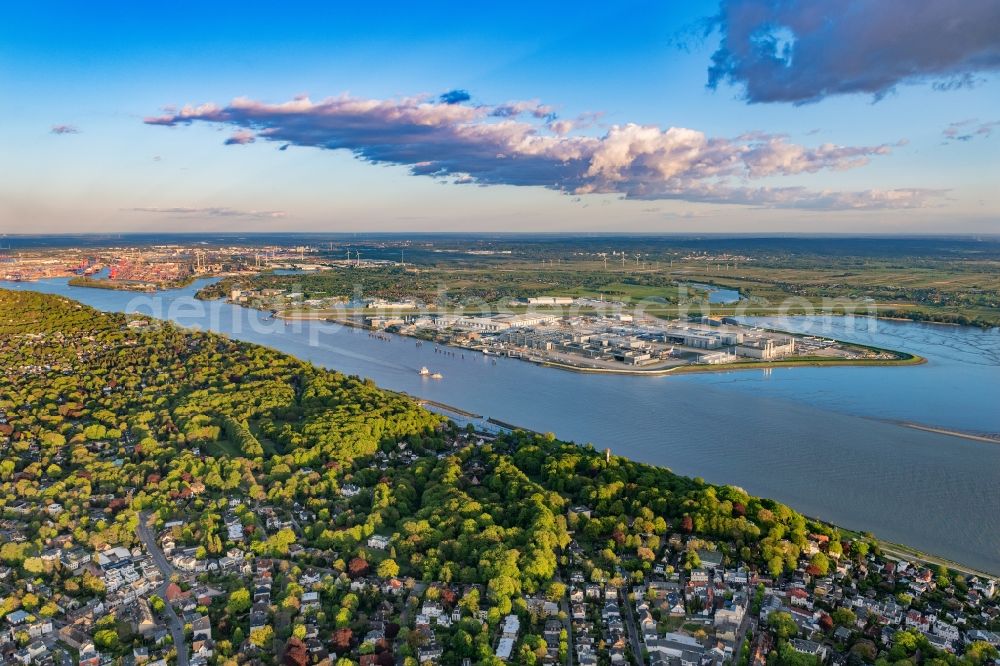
x=826 y=440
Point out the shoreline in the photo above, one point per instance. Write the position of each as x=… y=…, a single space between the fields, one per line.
x=946 y=431
x=892 y=549
x=727 y=367
x=899 y=551
x=445 y=409
x=878 y=317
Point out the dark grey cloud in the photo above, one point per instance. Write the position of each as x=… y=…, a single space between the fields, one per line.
x=455 y=97
x=801 y=51
x=64 y=129
x=518 y=144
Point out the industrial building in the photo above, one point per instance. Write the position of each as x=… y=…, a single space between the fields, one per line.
x=766 y=348
x=549 y=300
x=495 y=323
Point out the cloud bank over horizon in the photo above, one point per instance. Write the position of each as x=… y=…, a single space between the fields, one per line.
x=209 y=211
x=801 y=51
x=523 y=143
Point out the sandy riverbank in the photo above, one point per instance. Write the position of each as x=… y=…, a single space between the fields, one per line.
x=978 y=437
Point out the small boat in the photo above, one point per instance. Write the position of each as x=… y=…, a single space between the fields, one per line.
x=424 y=371
x=437 y=375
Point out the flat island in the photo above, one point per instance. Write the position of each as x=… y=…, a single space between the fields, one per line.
x=575 y=334
x=626 y=344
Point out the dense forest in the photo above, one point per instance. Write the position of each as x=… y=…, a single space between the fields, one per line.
x=141 y=409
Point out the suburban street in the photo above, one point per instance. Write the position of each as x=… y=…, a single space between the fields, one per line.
x=163 y=564
x=564 y=607
x=628 y=610
x=741 y=633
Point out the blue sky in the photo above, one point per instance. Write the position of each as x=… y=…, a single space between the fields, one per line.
x=865 y=149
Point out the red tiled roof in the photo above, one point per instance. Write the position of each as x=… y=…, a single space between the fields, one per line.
x=173 y=592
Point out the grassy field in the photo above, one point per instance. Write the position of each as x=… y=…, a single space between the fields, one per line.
x=944 y=285
x=962 y=292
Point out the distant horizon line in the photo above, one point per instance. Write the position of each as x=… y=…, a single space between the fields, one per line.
x=550 y=234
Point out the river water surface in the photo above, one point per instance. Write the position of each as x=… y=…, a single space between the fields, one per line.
x=827 y=441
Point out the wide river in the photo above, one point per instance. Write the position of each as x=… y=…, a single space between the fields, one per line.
x=827 y=441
